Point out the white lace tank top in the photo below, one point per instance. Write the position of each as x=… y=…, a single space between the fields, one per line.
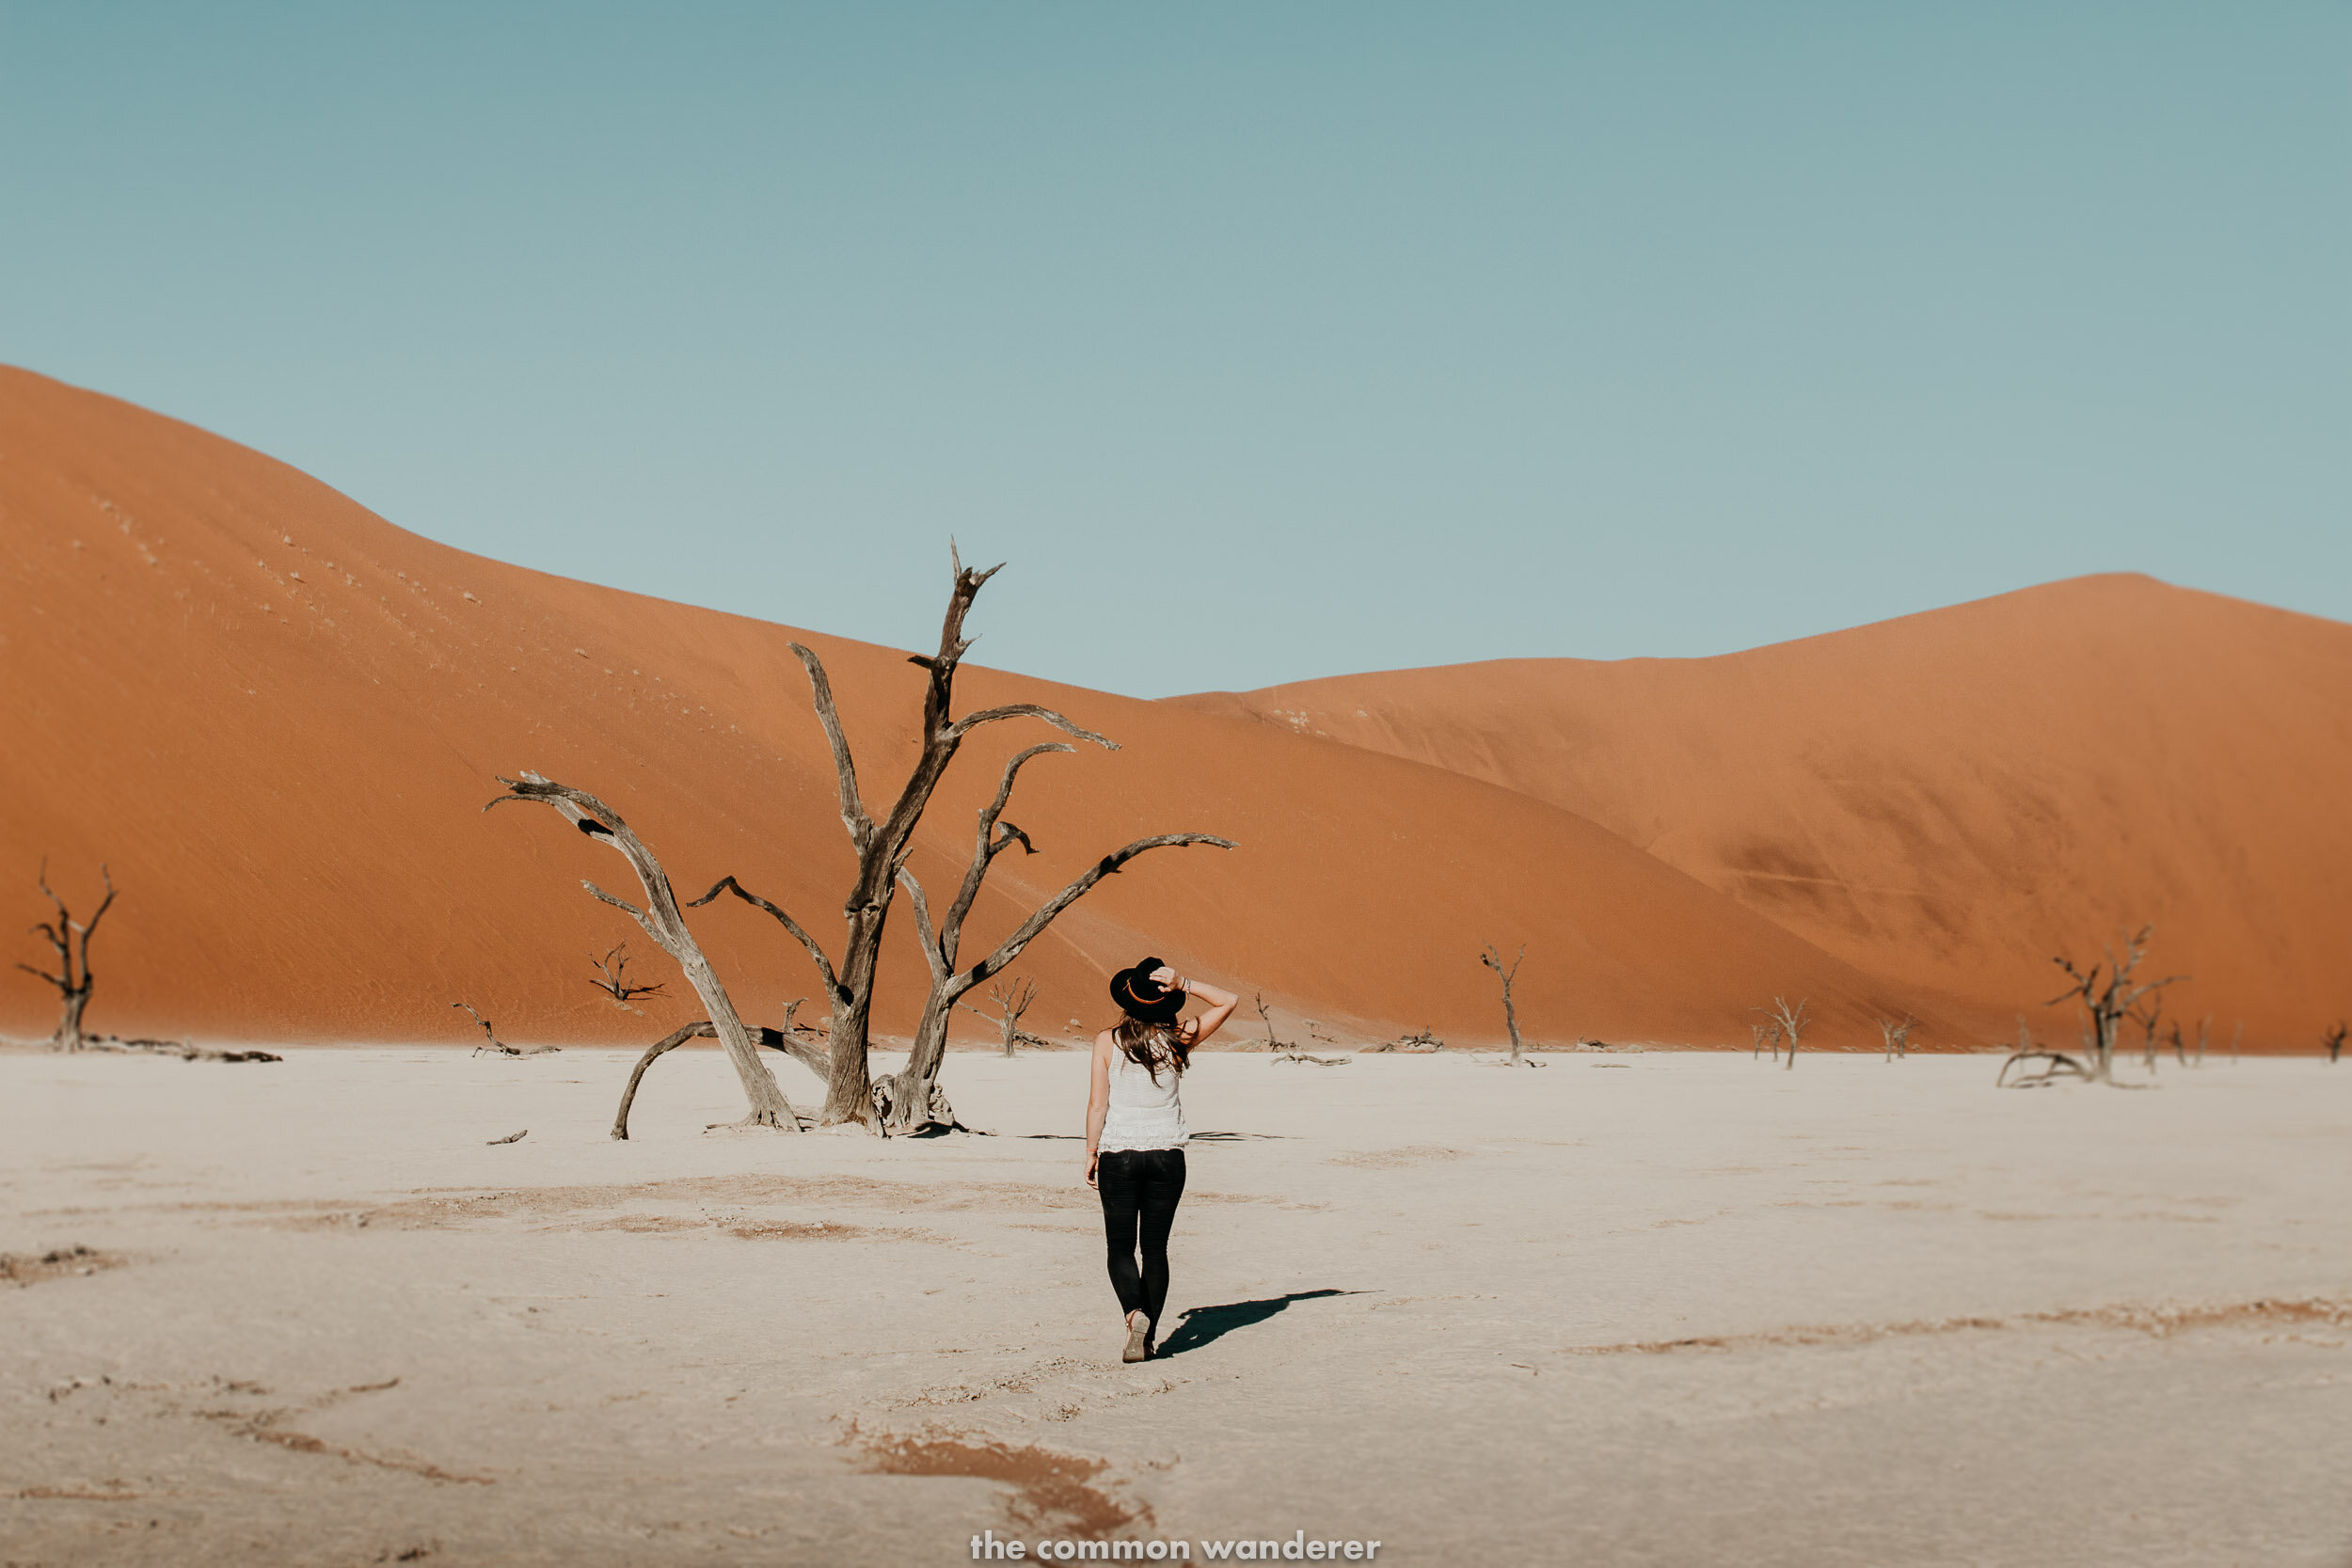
x=1143 y=1115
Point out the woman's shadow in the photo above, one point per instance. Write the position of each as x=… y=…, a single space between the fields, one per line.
x=1201 y=1325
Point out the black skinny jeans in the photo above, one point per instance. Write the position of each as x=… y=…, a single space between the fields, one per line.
x=1140 y=1189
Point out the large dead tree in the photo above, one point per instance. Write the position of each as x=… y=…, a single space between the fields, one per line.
x=881 y=846
x=1493 y=960
x=2108 y=993
x=662 y=920
x=910 y=1098
x=69 y=938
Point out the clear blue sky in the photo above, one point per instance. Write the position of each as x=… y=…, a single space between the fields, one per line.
x=1266 y=341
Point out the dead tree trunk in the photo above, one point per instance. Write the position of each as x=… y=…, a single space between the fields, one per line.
x=881 y=846
x=73 y=978
x=1896 y=1036
x=2332 y=1042
x=1789 y=1021
x=1493 y=960
x=662 y=920
x=910 y=1100
x=2107 y=1002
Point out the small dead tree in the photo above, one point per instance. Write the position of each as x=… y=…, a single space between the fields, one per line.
x=73 y=978
x=1789 y=1022
x=2108 y=993
x=1273 y=1040
x=1896 y=1036
x=495 y=1044
x=2150 y=1016
x=2332 y=1042
x=615 y=984
x=1760 y=1036
x=910 y=1100
x=1012 y=998
x=2204 y=1028
x=1493 y=960
x=662 y=920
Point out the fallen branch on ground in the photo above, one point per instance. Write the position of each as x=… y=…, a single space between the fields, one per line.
x=499 y=1045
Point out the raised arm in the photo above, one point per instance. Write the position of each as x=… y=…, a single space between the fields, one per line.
x=1221 y=1003
x=1098 y=1100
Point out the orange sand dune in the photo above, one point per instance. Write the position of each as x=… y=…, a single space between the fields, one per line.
x=1949 y=798
x=277 y=716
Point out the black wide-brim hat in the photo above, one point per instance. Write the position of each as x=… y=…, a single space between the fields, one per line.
x=1134 y=990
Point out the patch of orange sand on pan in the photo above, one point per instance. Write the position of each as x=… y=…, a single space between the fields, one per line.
x=1949 y=798
x=278 y=717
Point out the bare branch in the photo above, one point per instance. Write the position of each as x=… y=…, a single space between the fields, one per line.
x=622 y=904
x=854 y=813
x=1108 y=865
x=970 y=721
x=987 y=846
x=932 y=956
x=816 y=954
x=103 y=905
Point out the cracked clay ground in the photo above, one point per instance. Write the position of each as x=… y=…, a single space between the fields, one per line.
x=1661 y=1309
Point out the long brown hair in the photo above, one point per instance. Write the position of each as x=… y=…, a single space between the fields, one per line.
x=1153 y=1046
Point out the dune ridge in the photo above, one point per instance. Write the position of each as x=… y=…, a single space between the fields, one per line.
x=276 y=715
x=1949 y=798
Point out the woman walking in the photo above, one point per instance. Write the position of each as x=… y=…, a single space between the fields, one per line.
x=1136 y=1131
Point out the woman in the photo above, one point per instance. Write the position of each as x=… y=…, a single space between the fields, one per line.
x=1136 y=1131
